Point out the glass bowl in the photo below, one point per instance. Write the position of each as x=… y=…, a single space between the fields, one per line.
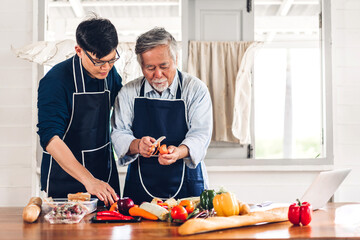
x=89 y=206
x=68 y=212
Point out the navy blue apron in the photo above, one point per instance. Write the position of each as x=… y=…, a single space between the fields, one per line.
x=88 y=137
x=146 y=178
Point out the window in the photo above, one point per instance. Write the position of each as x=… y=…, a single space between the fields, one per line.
x=287 y=80
x=291 y=75
x=131 y=18
x=291 y=87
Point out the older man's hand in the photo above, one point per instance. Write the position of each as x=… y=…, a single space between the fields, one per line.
x=171 y=157
x=144 y=147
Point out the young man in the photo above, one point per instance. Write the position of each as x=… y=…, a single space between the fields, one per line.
x=164 y=102
x=74 y=102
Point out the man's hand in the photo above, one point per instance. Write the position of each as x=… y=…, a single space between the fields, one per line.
x=65 y=158
x=141 y=146
x=171 y=157
x=145 y=146
x=102 y=190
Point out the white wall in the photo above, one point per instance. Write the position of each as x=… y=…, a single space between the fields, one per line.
x=16 y=29
x=252 y=184
x=346 y=93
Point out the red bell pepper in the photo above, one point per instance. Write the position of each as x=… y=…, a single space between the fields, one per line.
x=300 y=212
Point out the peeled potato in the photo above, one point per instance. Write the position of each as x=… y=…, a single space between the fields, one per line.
x=244 y=208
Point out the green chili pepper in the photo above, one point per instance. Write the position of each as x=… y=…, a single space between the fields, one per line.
x=206 y=199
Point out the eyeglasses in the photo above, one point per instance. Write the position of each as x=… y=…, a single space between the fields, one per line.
x=101 y=63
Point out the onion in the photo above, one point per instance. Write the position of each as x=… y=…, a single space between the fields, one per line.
x=124 y=204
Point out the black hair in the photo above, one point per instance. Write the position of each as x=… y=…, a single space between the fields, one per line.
x=98 y=36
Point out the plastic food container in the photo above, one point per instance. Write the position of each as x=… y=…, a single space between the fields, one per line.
x=68 y=212
x=89 y=206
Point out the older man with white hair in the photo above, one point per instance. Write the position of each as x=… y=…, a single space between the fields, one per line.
x=163 y=102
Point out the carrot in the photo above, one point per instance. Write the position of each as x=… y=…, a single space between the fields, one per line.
x=139 y=212
x=163 y=149
x=114 y=207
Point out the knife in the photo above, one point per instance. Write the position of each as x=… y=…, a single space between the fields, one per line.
x=261 y=205
x=155 y=144
x=158 y=141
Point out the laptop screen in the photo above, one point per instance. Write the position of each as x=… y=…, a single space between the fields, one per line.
x=324 y=187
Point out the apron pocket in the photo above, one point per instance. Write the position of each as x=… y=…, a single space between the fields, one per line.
x=97 y=161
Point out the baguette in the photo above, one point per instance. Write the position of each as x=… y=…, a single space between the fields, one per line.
x=32 y=211
x=199 y=225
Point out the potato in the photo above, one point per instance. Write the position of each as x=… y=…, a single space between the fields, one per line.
x=243 y=208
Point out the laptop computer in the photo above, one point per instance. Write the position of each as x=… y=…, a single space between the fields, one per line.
x=324 y=187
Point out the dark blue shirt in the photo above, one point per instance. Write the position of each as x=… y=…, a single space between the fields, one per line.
x=55 y=95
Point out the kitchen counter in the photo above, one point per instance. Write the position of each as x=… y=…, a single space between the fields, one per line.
x=335 y=221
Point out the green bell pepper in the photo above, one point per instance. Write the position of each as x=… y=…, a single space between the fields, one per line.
x=206 y=199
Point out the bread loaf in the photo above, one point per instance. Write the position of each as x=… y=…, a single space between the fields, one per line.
x=80 y=196
x=32 y=211
x=199 y=225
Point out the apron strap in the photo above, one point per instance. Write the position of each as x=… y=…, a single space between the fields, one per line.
x=178 y=92
x=78 y=75
x=142 y=88
x=162 y=198
x=105 y=85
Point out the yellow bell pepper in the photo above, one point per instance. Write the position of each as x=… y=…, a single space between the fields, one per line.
x=226 y=204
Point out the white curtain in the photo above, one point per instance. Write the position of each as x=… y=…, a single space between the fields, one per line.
x=128 y=66
x=226 y=67
x=50 y=53
x=47 y=53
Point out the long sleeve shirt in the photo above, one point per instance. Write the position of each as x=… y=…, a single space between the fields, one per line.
x=198 y=109
x=55 y=96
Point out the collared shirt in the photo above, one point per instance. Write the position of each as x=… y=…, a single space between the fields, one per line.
x=198 y=109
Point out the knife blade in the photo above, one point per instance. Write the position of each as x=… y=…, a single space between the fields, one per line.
x=158 y=141
x=261 y=205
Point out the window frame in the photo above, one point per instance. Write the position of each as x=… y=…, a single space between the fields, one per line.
x=221 y=156
x=214 y=159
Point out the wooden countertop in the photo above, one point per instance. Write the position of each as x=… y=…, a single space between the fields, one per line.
x=335 y=221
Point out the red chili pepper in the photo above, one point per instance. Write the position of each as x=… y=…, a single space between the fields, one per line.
x=104 y=218
x=300 y=213
x=112 y=215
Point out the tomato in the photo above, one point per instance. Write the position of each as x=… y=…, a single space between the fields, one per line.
x=163 y=149
x=179 y=212
x=188 y=205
